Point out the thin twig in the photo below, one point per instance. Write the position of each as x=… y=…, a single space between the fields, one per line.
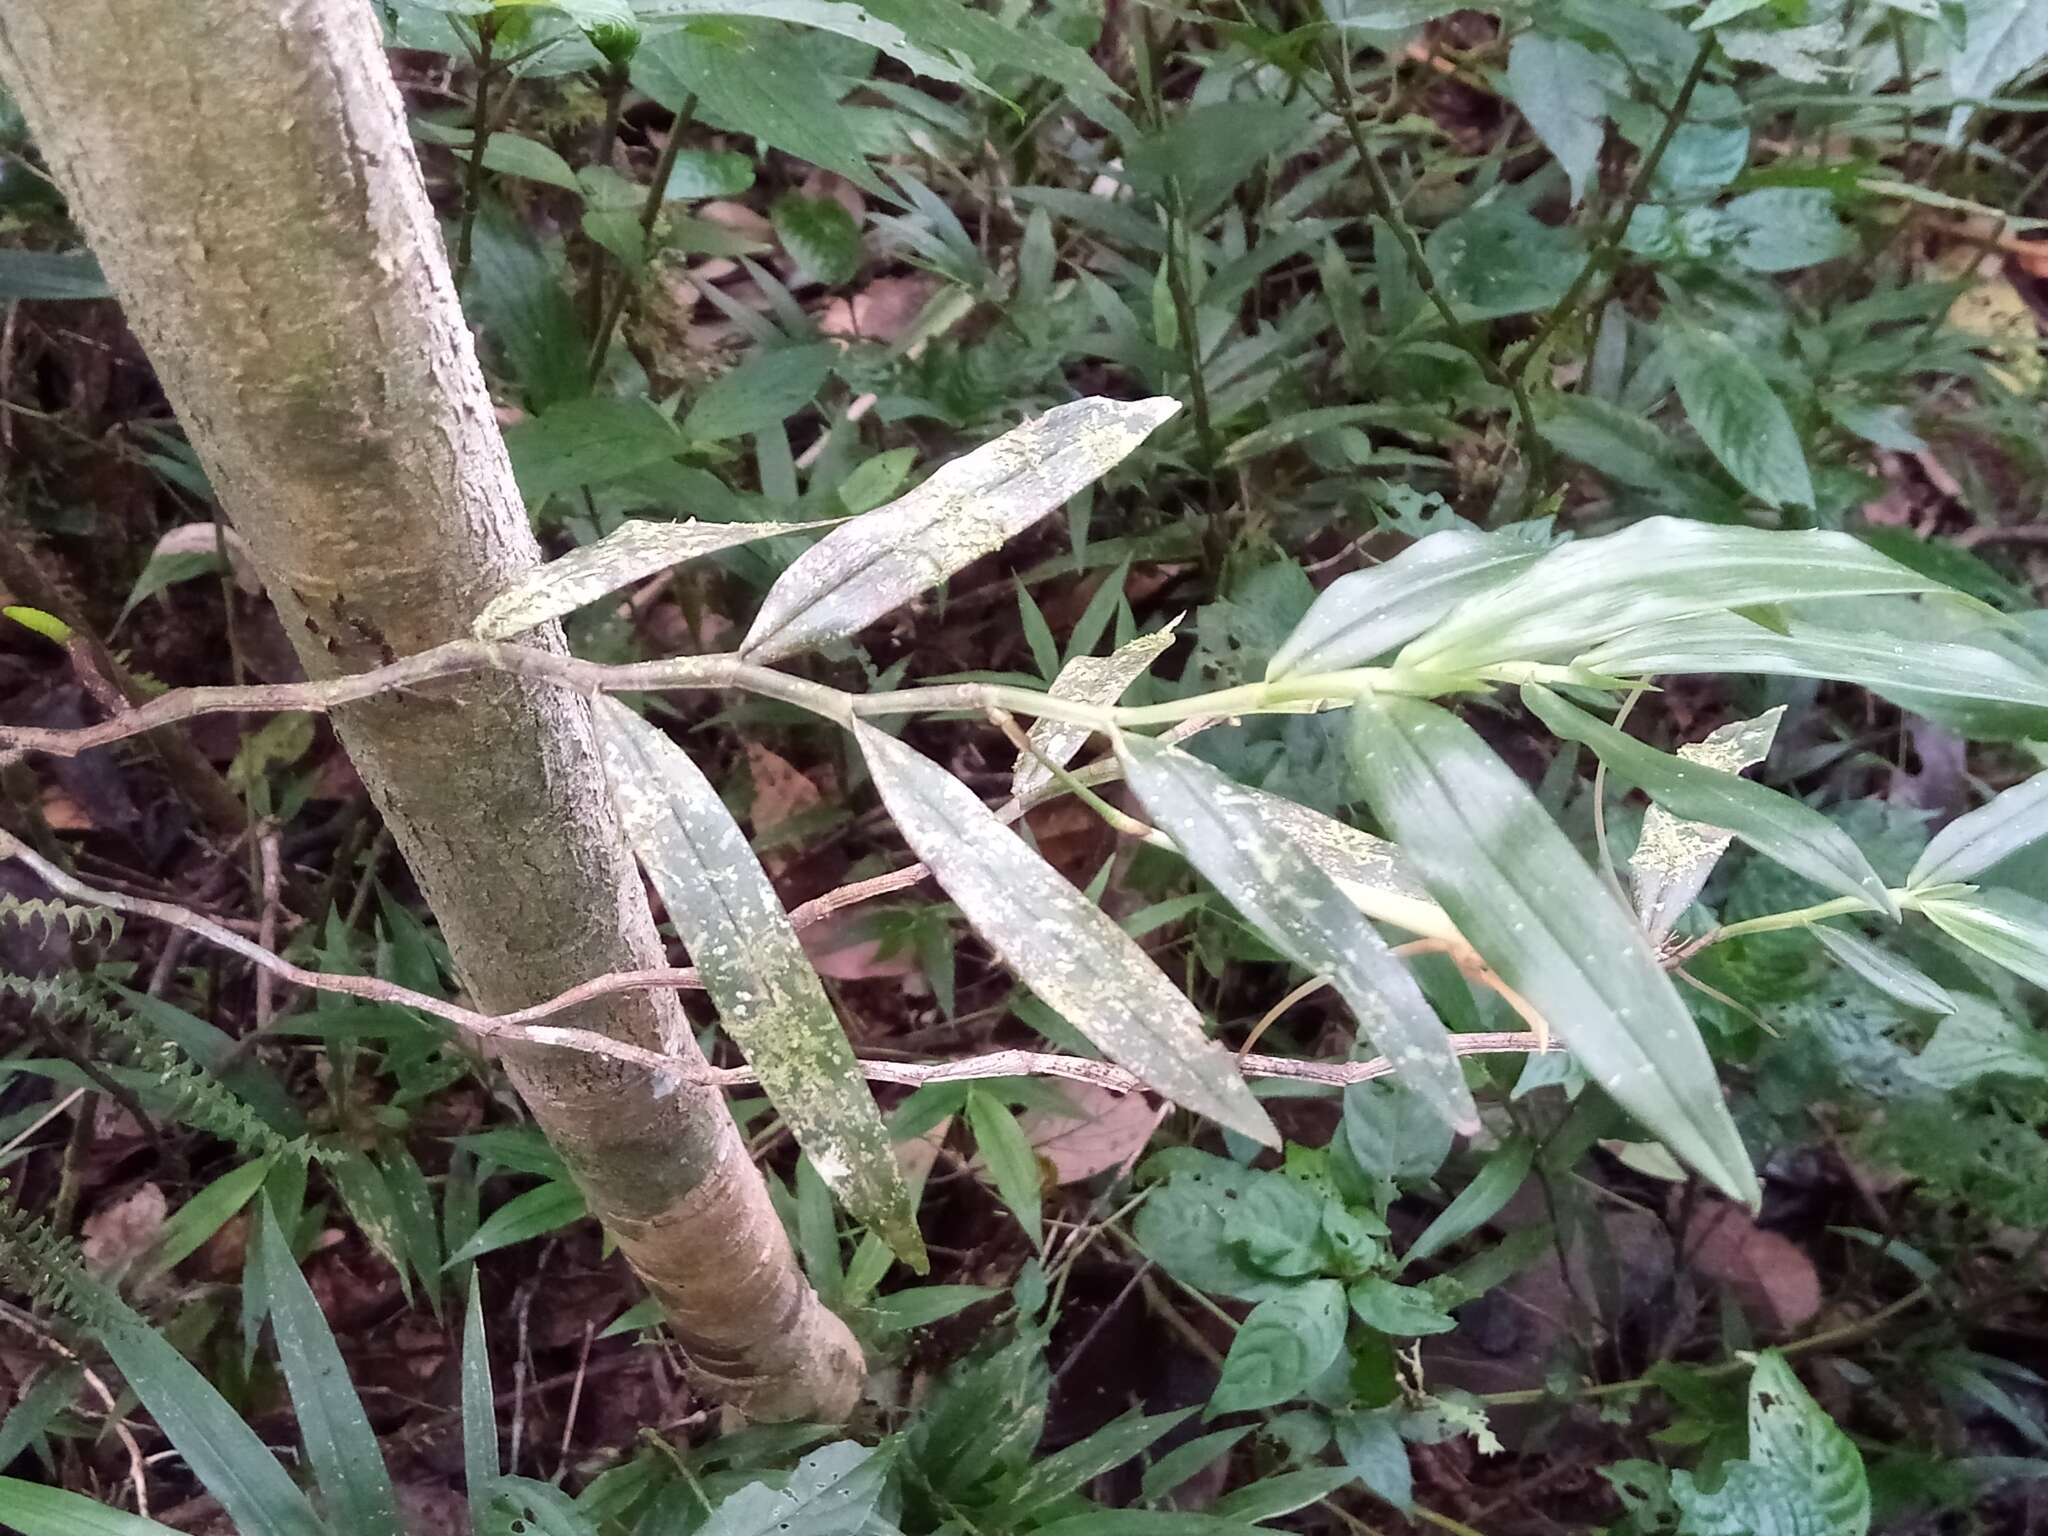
x=479 y=139
x=650 y=210
x=266 y=932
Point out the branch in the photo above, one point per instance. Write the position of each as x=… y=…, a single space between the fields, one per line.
x=524 y=1027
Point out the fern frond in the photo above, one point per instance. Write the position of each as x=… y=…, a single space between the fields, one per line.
x=46 y=1266
x=51 y=914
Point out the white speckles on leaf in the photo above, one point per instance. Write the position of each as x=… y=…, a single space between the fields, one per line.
x=1673 y=858
x=1090 y=680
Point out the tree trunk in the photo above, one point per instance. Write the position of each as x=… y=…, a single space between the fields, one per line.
x=243 y=170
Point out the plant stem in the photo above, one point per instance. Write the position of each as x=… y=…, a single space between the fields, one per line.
x=1802 y=917
x=650 y=210
x=601 y=156
x=1617 y=229
x=479 y=136
x=1534 y=451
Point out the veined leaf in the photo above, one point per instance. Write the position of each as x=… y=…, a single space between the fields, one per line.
x=1220 y=827
x=634 y=549
x=1406 y=1311
x=761 y=392
x=340 y=1444
x=36 y=1510
x=1285 y=1344
x=1061 y=945
x=833 y=1490
x=1659 y=570
x=1560 y=86
x=1971 y=844
x=1776 y=825
x=1092 y=680
x=1737 y=414
x=1518 y=890
x=1802 y=1473
x=967 y=508
x=2004 y=927
x=1901 y=982
x=587 y=442
x=1673 y=858
x=1985 y=691
x=753 y=965
x=1361 y=616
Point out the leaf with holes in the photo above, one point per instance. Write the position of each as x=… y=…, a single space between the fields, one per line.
x=752 y=963
x=1060 y=944
x=969 y=507
x=1089 y=680
x=1261 y=871
x=1673 y=858
x=1285 y=1344
x=1540 y=917
x=1802 y=1477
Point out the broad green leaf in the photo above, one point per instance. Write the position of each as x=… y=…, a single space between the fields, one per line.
x=820 y=236
x=1361 y=616
x=1498 y=259
x=1561 y=89
x=1006 y=1152
x=1391 y=1133
x=1902 y=983
x=480 y=1466
x=587 y=442
x=36 y=1510
x=512 y=154
x=1053 y=1477
x=2002 y=39
x=762 y=392
x=1803 y=1475
x=1478 y=1202
x=1738 y=416
x=1284 y=1344
x=832 y=1492
x=518 y=296
x=850 y=21
x=51 y=275
x=1183 y=1227
x=1989 y=692
x=1061 y=945
x=752 y=963
x=1979 y=1039
x=1091 y=680
x=967 y=508
x=1971 y=844
x=347 y=1465
x=1659 y=570
x=1775 y=825
x=707 y=173
x=2004 y=927
x=1373 y=1450
x=1673 y=858
x=545 y=1209
x=1548 y=926
x=994 y=43
x=205 y=1214
x=1781 y=229
x=1219 y=827
x=1404 y=1311
x=632 y=550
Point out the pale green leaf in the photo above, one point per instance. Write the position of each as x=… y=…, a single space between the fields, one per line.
x=1979 y=1039
x=1902 y=983
x=1738 y=416
x=1560 y=87
x=633 y=550
x=707 y=173
x=763 y=392
x=1088 y=680
x=1220 y=827
x=1972 y=843
x=480 y=1465
x=1478 y=1202
x=1405 y=1311
x=753 y=965
x=820 y=236
x=1660 y=569
x=1281 y=1493
x=336 y=1432
x=1803 y=1475
x=1376 y=1455
x=832 y=1492
x=1526 y=900
x=1007 y=1154
x=923 y=1305
x=1361 y=616
x=1061 y=945
x=1053 y=1477
x=1673 y=858
x=51 y=275
x=994 y=43
x=852 y=21
x=1369 y=870
x=1775 y=825
x=2004 y=927
x=967 y=508
x=1188 y=1458
x=1391 y=1133
x=1284 y=1344
x=2001 y=40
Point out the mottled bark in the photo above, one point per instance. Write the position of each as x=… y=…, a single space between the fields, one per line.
x=243 y=170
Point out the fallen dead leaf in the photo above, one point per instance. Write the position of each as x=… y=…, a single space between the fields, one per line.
x=119 y=1233
x=64 y=814
x=837 y=949
x=780 y=789
x=1107 y=1130
x=881 y=311
x=1768 y=1274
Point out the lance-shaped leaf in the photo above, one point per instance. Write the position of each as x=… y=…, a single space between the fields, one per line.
x=973 y=505
x=1060 y=944
x=1544 y=922
x=1971 y=844
x=1089 y=680
x=1362 y=616
x=1661 y=569
x=753 y=965
x=1367 y=869
x=2004 y=927
x=1979 y=689
x=1775 y=825
x=1673 y=857
x=1222 y=830
x=632 y=550
x=1901 y=982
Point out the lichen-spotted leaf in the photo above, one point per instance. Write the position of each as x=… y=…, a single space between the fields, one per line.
x=968 y=507
x=634 y=549
x=1060 y=944
x=1673 y=857
x=1091 y=680
x=1538 y=915
x=1222 y=829
x=753 y=965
